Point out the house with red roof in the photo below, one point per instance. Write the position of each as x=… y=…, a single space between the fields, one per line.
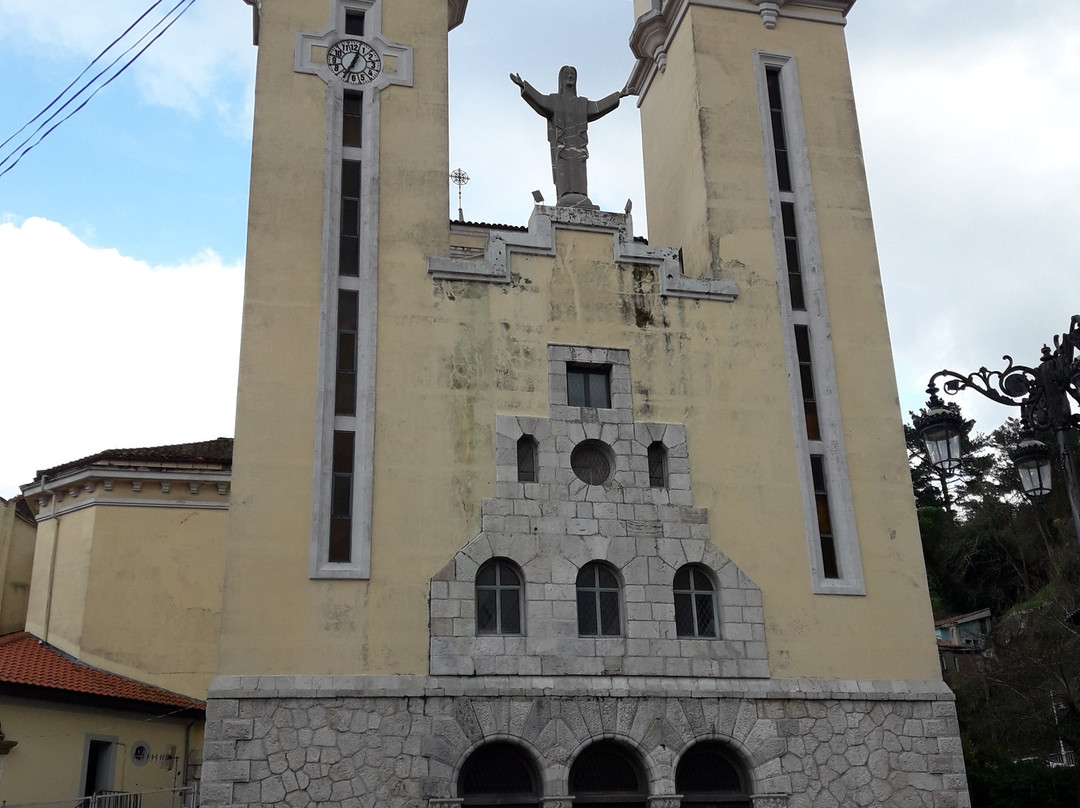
x=73 y=730
x=111 y=567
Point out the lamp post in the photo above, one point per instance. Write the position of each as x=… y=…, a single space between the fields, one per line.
x=1043 y=395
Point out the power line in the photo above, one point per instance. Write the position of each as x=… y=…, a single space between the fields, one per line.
x=83 y=73
x=182 y=5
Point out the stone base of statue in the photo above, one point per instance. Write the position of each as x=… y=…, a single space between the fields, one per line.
x=573 y=200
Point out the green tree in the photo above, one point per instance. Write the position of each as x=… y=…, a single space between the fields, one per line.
x=1020 y=705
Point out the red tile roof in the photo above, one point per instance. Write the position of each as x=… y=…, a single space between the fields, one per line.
x=218 y=451
x=26 y=660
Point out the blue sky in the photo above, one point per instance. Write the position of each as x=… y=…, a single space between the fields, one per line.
x=122 y=235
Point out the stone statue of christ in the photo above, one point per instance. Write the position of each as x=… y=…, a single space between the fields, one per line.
x=568 y=115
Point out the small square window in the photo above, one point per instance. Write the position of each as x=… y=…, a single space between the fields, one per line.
x=588 y=386
x=354 y=23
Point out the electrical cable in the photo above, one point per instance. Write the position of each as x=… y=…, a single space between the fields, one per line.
x=186 y=5
x=83 y=73
x=89 y=84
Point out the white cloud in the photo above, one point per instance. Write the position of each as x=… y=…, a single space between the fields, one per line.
x=104 y=351
x=203 y=64
x=967 y=139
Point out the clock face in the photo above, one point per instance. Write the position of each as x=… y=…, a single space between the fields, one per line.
x=353 y=61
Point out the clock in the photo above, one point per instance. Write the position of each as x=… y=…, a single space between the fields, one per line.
x=353 y=61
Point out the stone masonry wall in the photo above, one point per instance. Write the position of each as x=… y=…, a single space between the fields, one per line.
x=549 y=529
x=399 y=742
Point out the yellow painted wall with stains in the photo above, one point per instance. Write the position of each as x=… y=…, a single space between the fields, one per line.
x=48 y=764
x=17 y=540
x=133 y=590
x=453 y=355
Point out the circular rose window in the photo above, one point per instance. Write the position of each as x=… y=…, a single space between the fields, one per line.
x=593 y=462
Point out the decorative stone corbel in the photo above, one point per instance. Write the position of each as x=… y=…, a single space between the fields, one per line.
x=222 y=488
x=769 y=10
x=107 y=485
x=166 y=486
x=73 y=492
x=136 y=486
x=194 y=489
x=89 y=486
x=649 y=37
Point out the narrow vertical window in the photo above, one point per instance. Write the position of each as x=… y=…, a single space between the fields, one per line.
x=806 y=382
x=526 y=459
x=345 y=381
x=779 y=136
x=340 y=546
x=352 y=119
x=831 y=537
x=599 y=602
x=349 y=255
x=796 y=291
x=829 y=566
x=657 y=465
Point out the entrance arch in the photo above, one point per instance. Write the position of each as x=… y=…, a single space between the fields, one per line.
x=608 y=774
x=499 y=773
x=709 y=775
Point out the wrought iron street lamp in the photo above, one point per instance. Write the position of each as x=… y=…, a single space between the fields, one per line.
x=1043 y=395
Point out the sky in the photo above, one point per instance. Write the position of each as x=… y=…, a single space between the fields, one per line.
x=122 y=234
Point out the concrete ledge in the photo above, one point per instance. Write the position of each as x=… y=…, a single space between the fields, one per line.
x=494 y=267
x=281 y=687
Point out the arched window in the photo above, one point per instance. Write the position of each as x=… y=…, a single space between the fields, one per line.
x=658 y=465
x=499 y=773
x=709 y=775
x=608 y=773
x=499 y=598
x=526 y=459
x=598 y=601
x=695 y=602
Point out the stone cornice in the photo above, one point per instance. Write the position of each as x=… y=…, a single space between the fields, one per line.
x=266 y=687
x=104 y=485
x=655 y=29
x=457 y=13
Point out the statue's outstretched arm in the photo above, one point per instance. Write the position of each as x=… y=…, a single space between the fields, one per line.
x=532 y=96
x=598 y=109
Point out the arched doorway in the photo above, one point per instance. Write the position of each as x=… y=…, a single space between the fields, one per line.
x=499 y=773
x=710 y=776
x=608 y=774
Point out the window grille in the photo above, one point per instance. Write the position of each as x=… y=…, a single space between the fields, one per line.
x=695 y=603
x=599 y=602
x=658 y=465
x=498 y=599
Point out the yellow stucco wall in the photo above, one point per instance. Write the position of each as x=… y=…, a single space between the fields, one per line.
x=134 y=590
x=713 y=53
x=453 y=355
x=17 y=539
x=48 y=763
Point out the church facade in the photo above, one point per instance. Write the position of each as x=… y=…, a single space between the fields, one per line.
x=551 y=515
